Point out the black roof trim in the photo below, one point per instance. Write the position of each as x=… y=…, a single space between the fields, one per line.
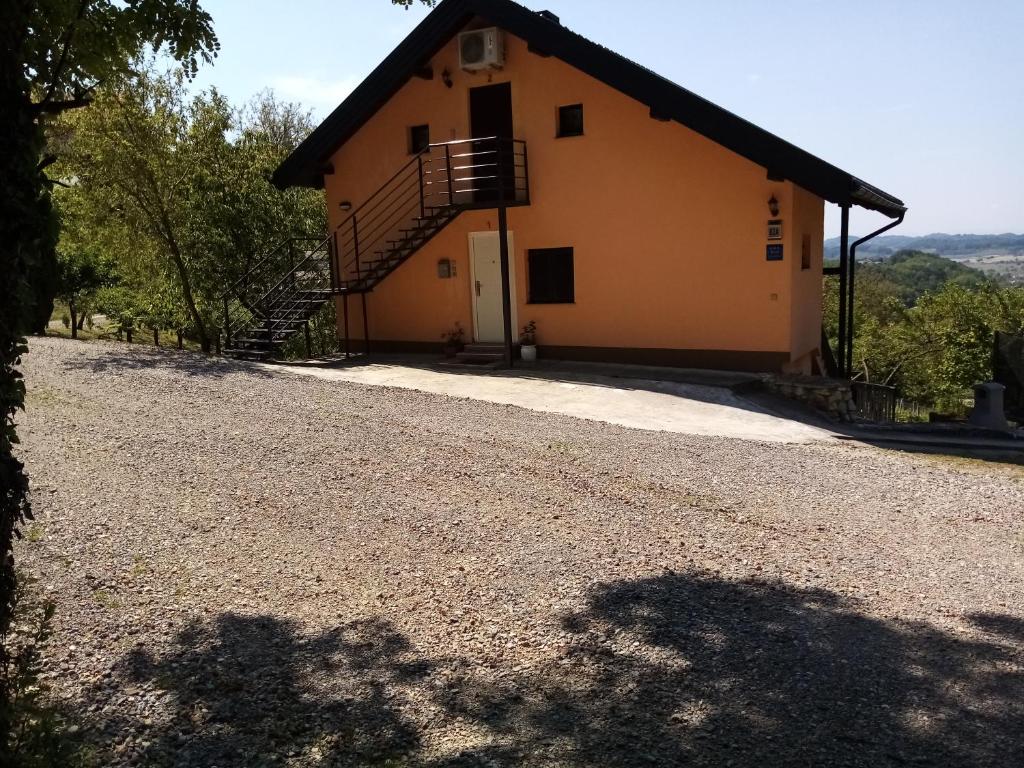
x=304 y=166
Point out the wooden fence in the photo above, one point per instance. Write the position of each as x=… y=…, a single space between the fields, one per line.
x=875 y=402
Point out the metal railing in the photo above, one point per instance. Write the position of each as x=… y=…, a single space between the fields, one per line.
x=276 y=297
x=435 y=186
x=244 y=305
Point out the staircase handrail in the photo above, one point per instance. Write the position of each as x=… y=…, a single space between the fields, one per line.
x=309 y=255
x=231 y=292
x=414 y=160
x=432 y=187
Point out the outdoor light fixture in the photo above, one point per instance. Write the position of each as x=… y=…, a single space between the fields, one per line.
x=773 y=206
x=345 y=205
x=446 y=78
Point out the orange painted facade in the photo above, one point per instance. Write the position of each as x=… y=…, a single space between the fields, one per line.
x=669 y=229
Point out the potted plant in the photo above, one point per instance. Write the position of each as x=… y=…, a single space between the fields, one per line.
x=453 y=343
x=528 y=342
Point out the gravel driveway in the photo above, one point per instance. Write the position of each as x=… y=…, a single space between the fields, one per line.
x=253 y=568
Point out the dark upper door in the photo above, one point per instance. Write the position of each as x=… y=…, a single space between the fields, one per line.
x=490 y=115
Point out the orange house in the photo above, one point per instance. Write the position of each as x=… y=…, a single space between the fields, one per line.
x=641 y=223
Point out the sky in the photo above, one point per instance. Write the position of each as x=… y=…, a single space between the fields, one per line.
x=923 y=98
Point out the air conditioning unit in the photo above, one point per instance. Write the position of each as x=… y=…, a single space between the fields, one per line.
x=481 y=49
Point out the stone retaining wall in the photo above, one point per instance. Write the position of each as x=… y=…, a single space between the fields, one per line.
x=833 y=397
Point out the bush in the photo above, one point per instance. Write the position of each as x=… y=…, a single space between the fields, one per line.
x=934 y=350
x=37 y=734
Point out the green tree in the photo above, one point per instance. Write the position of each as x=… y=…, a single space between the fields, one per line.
x=177 y=188
x=915 y=273
x=81 y=272
x=926 y=325
x=124 y=159
x=25 y=232
x=936 y=350
x=53 y=53
x=67 y=48
x=241 y=214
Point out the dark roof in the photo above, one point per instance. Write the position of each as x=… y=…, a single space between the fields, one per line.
x=543 y=33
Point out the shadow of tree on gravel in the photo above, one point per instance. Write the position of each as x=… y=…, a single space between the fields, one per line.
x=141 y=357
x=683 y=669
x=252 y=691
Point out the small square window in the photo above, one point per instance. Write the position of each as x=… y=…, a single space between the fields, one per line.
x=551 y=276
x=419 y=138
x=570 y=120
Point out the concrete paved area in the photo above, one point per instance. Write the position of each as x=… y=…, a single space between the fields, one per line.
x=668 y=406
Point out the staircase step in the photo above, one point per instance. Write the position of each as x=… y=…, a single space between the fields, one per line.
x=291 y=302
x=288 y=310
x=306 y=297
x=289 y=316
x=484 y=348
x=248 y=354
x=250 y=341
x=282 y=311
x=482 y=365
x=274 y=312
x=479 y=357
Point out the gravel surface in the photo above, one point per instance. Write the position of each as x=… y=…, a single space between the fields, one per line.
x=253 y=568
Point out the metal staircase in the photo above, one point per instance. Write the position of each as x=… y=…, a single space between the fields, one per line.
x=275 y=300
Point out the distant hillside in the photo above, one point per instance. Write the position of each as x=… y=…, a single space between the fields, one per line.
x=910 y=274
x=957 y=247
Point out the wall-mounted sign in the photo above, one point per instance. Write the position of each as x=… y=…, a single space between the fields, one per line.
x=775 y=229
x=774 y=253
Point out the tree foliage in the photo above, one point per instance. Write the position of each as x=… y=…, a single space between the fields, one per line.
x=73 y=46
x=81 y=274
x=176 y=190
x=926 y=325
x=915 y=273
x=66 y=49
x=26 y=231
x=53 y=55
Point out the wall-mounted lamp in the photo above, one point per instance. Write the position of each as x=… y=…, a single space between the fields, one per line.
x=345 y=205
x=773 y=206
x=446 y=78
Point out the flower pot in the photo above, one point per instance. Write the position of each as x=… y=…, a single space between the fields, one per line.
x=451 y=350
x=528 y=352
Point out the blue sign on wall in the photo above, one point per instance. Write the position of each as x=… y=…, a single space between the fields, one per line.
x=774 y=253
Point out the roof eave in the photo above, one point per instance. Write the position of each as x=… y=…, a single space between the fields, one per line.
x=872 y=198
x=305 y=166
x=302 y=167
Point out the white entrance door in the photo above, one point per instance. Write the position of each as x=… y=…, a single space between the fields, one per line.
x=485 y=258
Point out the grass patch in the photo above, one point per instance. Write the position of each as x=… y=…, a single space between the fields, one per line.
x=37 y=396
x=567 y=449
x=35 y=533
x=165 y=682
x=39 y=733
x=106 y=599
x=1011 y=463
x=104 y=330
x=86 y=334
